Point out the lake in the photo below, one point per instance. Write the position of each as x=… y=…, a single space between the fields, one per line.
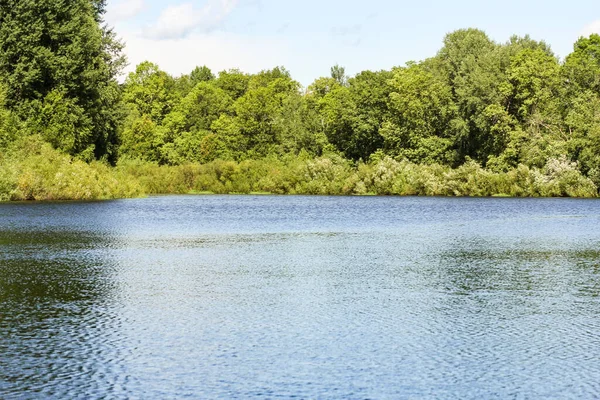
x=300 y=297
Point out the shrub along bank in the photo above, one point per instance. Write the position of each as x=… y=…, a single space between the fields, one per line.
x=35 y=171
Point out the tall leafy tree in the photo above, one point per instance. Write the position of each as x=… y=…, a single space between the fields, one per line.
x=471 y=63
x=8 y=125
x=338 y=73
x=150 y=91
x=582 y=73
x=256 y=115
x=370 y=92
x=582 y=66
x=149 y=95
x=424 y=120
x=583 y=120
x=353 y=113
x=336 y=110
x=536 y=102
x=59 y=63
x=201 y=74
x=234 y=82
x=188 y=126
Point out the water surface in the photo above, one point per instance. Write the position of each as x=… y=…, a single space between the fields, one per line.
x=306 y=297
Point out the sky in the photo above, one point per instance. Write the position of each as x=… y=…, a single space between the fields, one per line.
x=309 y=36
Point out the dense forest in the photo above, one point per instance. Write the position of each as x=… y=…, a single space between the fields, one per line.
x=479 y=118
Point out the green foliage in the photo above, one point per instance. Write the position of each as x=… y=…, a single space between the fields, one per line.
x=480 y=118
x=234 y=82
x=535 y=78
x=64 y=124
x=474 y=68
x=298 y=125
x=53 y=51
x=188 y=125
x=424 y=117
x=9 y=125
x=149 y=95
x=32 y=170
x=321 y=86
x=338 y=74
x=582 y=67
x=353 y=111
x=148 y=90
x=583 y=120
x=201 y=74
x=141 y=138
x=255 y=115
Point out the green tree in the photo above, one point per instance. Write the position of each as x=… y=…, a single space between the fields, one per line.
x=472 y=64
x=321 y=86
x=142 y=139
x=234 y=82
x=536 y=84
x=338 y=74
x=188 y=126
x=8 y=123
x=582 y=66
x=353 y=114
x=424 y=118
x=299 y=126
x=201 y=74
x=336 y=110
x=254 y=129
x=150 y=91
x=583 y=121
x=370 y=92
x=256 y=114
x=149 y=95
x=537 y=101
x=266 y=77
x=55 y=49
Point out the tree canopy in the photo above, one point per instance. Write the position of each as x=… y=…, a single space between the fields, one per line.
x=499 y=105
x=58 y=63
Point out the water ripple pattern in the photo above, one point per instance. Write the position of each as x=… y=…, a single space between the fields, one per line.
x=300 y=297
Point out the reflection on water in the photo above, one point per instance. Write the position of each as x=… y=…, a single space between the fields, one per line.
x=55 y=311
x=313 y=297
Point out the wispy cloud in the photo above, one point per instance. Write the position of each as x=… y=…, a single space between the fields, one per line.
x=124 y=9
x=254 y=3
x=594 y=27
x=347 y=30
x=179 y=21
x=283 y=28
x=349 y=35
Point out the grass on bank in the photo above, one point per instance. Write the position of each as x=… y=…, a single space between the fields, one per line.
x=33 y=170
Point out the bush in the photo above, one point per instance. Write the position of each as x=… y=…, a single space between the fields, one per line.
x=562 y=178
x=35 y=171
x=32 y=170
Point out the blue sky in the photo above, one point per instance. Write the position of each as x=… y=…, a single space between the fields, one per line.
x=309 y=36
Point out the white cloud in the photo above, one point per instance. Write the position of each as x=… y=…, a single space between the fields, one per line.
x=219 y=51
x=594 y=27
x=180 y=20
x=124 y=9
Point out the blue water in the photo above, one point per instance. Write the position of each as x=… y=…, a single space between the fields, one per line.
x=300 y=297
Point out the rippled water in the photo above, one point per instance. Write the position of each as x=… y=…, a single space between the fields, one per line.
x=307 y=297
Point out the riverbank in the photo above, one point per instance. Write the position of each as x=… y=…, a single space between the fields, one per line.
x=35 y=171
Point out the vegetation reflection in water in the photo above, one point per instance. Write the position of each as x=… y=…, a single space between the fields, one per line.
x=313 y=297
x=56 y=310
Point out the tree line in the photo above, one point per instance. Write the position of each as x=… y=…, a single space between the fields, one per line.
x=500 y=106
